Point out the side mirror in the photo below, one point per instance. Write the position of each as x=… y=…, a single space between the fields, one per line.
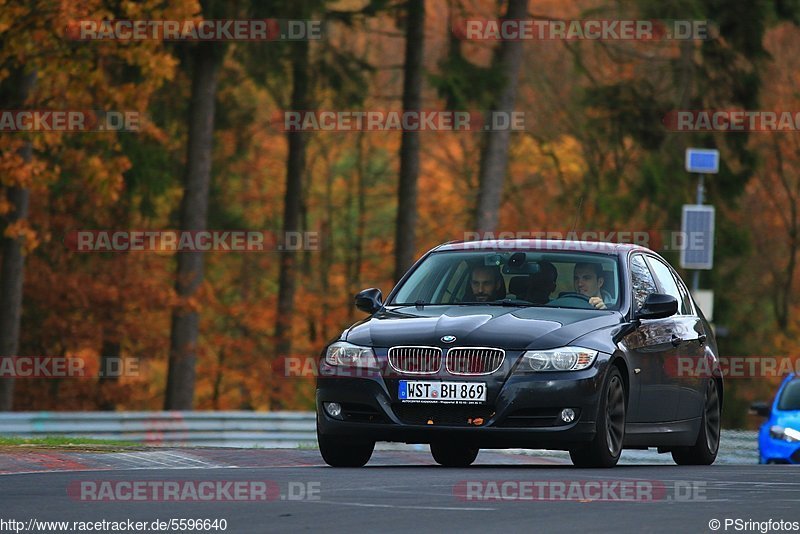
x=369 y=300
x=760 y=408
x=658 y=306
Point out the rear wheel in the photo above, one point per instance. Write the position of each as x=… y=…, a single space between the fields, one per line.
x=604 y=450
x=704 y=451
x=344 y=452
x=451 y=454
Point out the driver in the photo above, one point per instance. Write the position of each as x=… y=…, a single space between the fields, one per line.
x=485 y=285
x=588 y=279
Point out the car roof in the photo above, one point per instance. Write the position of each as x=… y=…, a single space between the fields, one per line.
x=544 y=245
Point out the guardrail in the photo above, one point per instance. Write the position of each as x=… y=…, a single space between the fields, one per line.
x=207 y=429
x=245 y=429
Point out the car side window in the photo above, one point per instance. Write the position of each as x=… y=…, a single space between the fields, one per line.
x=686 y=299
x=641 y=280
x=665 y=279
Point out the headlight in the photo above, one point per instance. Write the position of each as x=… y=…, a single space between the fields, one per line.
x=347 y=354
x=785 y=434
x=563 y=359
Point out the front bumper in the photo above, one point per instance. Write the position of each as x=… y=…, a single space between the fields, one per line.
x=521 y=409
x=777 y=450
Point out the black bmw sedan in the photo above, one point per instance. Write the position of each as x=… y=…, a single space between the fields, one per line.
x=561 y=345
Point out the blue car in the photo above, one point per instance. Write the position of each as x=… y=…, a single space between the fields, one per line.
x=779 y=436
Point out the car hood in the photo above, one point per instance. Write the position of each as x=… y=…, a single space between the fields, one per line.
x=509 y=328
x=787 y=419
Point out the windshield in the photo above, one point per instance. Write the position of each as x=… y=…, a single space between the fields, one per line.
x=790 y=398
x=515 y=278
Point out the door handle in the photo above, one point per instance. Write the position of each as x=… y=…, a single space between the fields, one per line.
x=676 y=341
x=702 y=339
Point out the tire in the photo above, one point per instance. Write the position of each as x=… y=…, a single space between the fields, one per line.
x=705 y=449
x=344 y=452
x=606 y=447
x=450 y=454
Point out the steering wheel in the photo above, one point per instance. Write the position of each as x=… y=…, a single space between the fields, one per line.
x=571 y=299
x=574 y=295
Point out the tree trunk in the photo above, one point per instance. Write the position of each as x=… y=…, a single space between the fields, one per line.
x=405 y=231
x=13 y=276
x=194 y=215
x=292 y=207
x=110 y=365
x=12 y=270
x=362 y=161
x=326 y=252
x=494 y=158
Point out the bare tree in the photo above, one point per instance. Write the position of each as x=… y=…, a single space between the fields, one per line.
x=292 y=211
x=494 y=157
x=193 y=217
x=405 y=231
x=12 y=271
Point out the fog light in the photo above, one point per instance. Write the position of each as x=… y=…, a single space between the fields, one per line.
x=568 y=415
x=334 y=409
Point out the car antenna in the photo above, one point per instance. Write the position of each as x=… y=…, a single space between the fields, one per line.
x=577 y=215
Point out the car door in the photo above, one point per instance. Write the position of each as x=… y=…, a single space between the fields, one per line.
x=680 y=368
x=649 y=348
x=695 y=369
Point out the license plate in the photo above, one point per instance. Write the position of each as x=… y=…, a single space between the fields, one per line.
x=452 y=392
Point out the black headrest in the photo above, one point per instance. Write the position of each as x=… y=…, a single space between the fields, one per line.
x=518 y=286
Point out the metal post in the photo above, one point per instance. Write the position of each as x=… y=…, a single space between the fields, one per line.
x=700 y=189
x=700 y=195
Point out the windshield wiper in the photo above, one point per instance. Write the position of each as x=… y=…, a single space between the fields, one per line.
x=510 y=303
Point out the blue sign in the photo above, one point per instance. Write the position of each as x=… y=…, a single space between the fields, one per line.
x=702 y=160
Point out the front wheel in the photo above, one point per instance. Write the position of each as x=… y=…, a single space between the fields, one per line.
x=453 y=454
x=606 y=447
x=344 y=452
x=705 y=449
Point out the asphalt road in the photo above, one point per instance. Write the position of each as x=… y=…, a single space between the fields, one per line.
x=401 y=491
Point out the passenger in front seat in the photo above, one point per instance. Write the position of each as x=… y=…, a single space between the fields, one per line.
x=543 y=283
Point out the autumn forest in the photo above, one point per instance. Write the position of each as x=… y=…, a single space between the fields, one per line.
x=213 y=329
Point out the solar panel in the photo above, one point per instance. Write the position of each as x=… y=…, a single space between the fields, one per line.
x=697 y=226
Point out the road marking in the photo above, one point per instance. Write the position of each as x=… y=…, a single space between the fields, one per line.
x=405 y=507
x=111 y=470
